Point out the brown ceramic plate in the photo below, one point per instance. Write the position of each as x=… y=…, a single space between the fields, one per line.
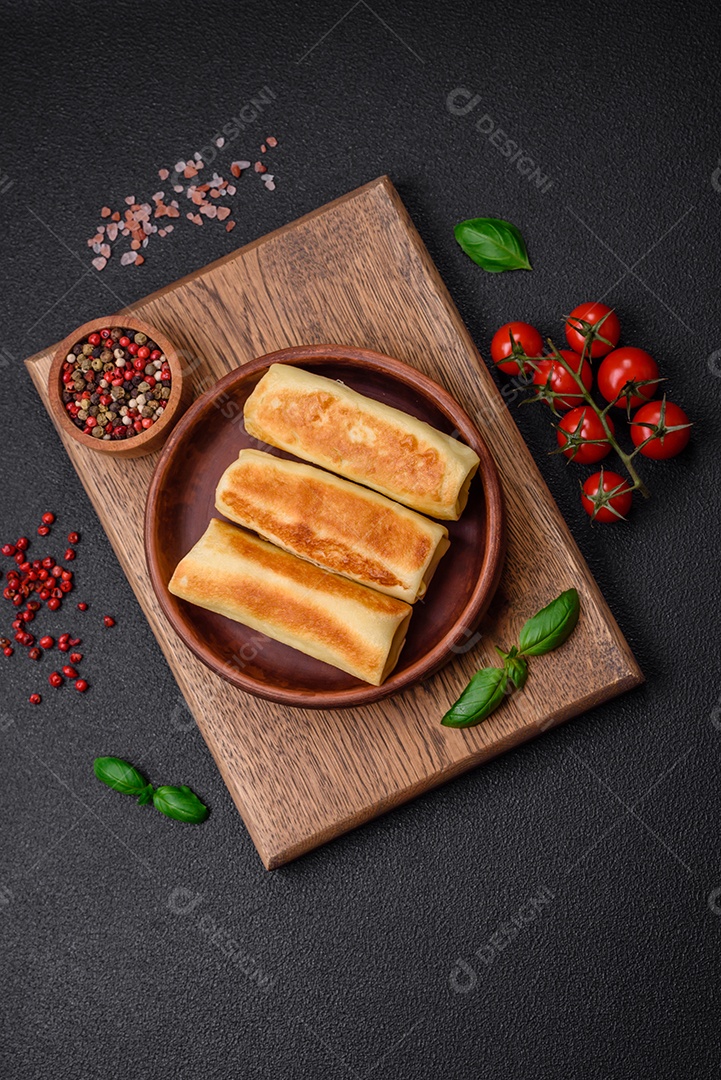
x=181 y=502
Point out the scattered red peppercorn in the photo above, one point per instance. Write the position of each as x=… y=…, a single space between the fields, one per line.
x=8 y=650
x=35 y=654
x=70 y=672
x=43 y=530
x=109 y=620
x=35 y=699
x=8 y=549
x=74 y=641
x=46 y=642
x=22 y=543
x=82 y=606
x=69 y=555
x=48 y=518
x=76 y=657
x=53 y=604
x=55 y=679
x=73 y=537
x=63 y=646
x=81 y=685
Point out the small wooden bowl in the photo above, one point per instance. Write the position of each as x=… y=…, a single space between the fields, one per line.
x=145 y=442
x=181 y=501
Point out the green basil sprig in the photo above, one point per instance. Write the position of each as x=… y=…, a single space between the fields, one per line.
x=551 y=626
x=175 y=802
x=180 y=803
x=548 y=629
x=493 y=244
x=483 y=694
x=123 y=777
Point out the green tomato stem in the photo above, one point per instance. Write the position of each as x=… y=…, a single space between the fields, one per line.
x=638 y=484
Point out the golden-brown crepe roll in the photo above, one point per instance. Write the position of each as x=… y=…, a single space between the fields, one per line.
x=333 y=523
x=233 y=572
x=325 y=422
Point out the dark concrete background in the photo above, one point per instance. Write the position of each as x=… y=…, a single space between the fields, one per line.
x=135 y=946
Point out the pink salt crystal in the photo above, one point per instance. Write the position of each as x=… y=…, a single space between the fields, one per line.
x=99 y=263
x=163 y=174
x=179 y=166
x=105 y=250
x=223 y=213
x=178 y=188
x=220 y=143
x=128 y=257
x=130 y=200
x=271 y=141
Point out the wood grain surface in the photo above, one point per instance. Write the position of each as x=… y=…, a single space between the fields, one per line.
x=356 y=272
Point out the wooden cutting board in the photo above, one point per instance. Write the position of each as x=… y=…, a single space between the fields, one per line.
x=357 y=272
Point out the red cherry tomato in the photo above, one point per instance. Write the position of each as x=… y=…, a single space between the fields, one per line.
x=582 y=434
x=661 y=422
x=628 y=365
x=563 y=383
x=527 y=340
x=593 y=313
x=600 y=506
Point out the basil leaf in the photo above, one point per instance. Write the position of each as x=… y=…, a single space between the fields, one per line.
x=517 y=670
x=494 y=244
x=180 y=803
x=122 y=777
x=551 y=626
x=483 y=694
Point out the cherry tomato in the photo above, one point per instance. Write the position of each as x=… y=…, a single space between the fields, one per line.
x=623 y=366
x=527 y=340
x=561 y=381
x=590 y=443
x=599 y=506
x=593 y=313
x=661 y=422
